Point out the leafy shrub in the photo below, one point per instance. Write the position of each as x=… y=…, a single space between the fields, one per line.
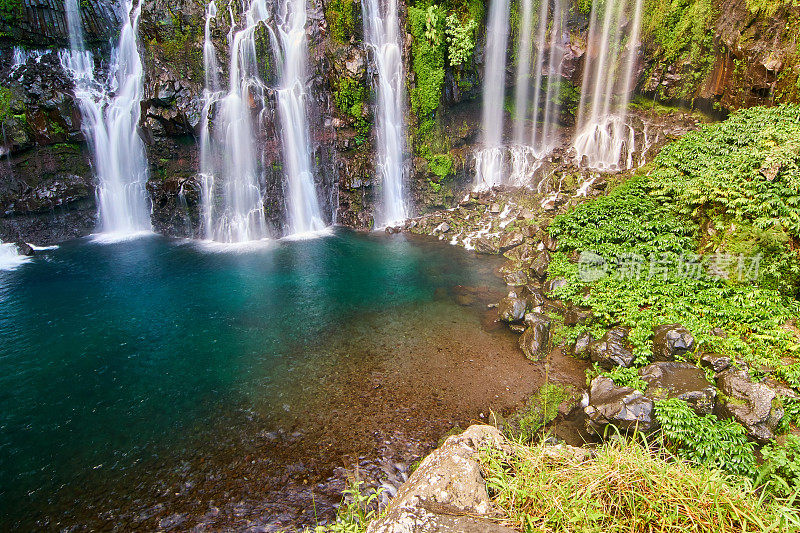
x=358 y=509
x=625 y=377
x=704 y=440
x=460 y=39
x=780 y=471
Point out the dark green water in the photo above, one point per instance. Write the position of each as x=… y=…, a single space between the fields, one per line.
x=126 y=354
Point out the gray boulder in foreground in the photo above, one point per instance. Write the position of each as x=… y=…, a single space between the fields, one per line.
x=447 y=492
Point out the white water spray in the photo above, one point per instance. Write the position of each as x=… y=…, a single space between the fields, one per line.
x=605 y=140
x=304 y=212
x=381 y=29
x=231 y=177
x=111 y=113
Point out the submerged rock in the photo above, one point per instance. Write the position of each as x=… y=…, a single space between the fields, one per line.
x=612 y=350
x=671 y=341
x=750 y=404
x=447 y=492
x=624 y=407
x=684 y=381
x=535 y=342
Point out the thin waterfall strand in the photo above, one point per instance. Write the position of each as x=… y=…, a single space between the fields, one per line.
x=489 y=161
x=302 y=202
x=381 y=29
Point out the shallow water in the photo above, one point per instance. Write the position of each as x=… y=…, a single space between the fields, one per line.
x=163 y=384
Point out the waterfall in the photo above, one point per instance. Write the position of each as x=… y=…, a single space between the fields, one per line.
x=111 y=113
x=489 y=161
x=517 y=164
x=382 y=36
x=605 y=140
x=10 y=257
x=231 y=177
x=303 y=206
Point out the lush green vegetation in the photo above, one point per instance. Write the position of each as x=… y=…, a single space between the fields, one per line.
x=624 y=487
x=426 y=26
x=11 y=11
x=640 y=266
x=357 y=510
x=349 y=97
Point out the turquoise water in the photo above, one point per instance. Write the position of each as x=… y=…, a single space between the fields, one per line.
x=126 y=354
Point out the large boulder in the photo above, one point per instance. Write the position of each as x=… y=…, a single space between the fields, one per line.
x=750 y=404
x=684 y=381
x=535 y=342
x=447 y=492
x=612 y=350
x=623 y=407
x=671 y=341
x=512 y=309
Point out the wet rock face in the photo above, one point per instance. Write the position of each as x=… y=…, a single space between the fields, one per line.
x=612 y=350
x=671 y=341
x=750 y=404
x=486 y=246
x=447 y=492
x=624 y=407
x=718 y=363
x=684 y=381
x=512 y=309
x=535 y=342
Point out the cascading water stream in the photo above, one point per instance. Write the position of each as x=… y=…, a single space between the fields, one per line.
x=231 y=177
x=111 y=113
x=605 y=140
x=381 y=29
x=489 y=161
x=302 y=202
x=517 y=164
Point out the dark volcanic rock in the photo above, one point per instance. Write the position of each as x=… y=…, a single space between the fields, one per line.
x=23 y=248
x=612 y=350
x=540 y=264
x=671 y=341
x=512 y=309
x=750 y=404
x=554 y=284
x=718 y=363
x=684 y=381
x=486 y=246
x=581 y=347
x=510 y=240
x=624 y=407
x=535 y=342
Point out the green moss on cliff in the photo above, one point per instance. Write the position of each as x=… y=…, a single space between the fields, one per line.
x=11 y=11
x=680 y=34
x=427 y=28
x=341 y=17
